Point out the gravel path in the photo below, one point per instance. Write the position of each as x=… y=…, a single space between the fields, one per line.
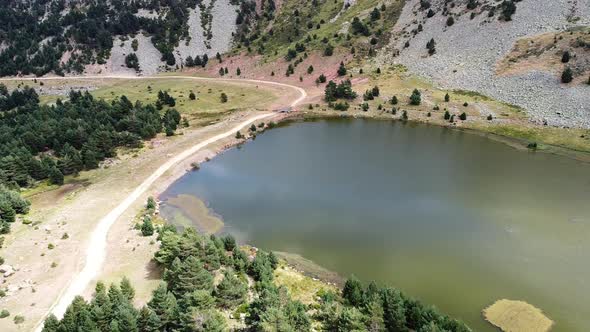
x=467 y=53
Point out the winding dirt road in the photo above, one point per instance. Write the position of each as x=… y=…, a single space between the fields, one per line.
x=97 y=247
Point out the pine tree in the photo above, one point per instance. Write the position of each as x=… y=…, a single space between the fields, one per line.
x=7 y=212
x=394 y=314
x=353 y=291
x=416 y=97
x=148 y=321
x=188 y=276
x=51 y=324
x=147 y=228
x=447 y=115
x=565 y=58
x=127 y=289
x=231 y=291
x=341 y=69
x=56 y=176
x=567 y=76
x=229 y=242
x=164 y=305
x=211 y=321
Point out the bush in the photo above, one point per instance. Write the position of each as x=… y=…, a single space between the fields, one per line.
x=447 y=115
x=223 y=97
x=18 y=319
x=508 y=9
x=463 y=116
x=490 y=117
x=450 y=21
x=151 y=203
x=341 y=106
x=4 y=313
x=192 y=96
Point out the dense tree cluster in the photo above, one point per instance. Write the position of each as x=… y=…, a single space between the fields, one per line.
x=197 y=61
x=47 y=142
x=342 y=90
x=11 y=204
x=131 y=61
x=375 y=308
x=188 y=300
x=37 y=34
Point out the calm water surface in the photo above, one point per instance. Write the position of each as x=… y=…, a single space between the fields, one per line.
x=452 y=218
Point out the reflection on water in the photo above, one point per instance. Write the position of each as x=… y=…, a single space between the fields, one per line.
x=454 y=219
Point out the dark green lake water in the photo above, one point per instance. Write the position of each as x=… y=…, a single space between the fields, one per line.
x=454 y=219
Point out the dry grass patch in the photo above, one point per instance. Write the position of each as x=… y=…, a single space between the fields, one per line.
x=517 y=316
x=300 y=286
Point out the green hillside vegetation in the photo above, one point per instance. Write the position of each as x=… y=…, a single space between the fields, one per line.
x=188 y=299
x=302 y=26
x=39 y=142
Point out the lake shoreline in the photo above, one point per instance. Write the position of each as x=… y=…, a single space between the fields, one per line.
x=285 y=119
x=512 y=141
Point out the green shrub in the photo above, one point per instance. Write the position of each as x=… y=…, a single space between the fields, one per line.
x=18 y=319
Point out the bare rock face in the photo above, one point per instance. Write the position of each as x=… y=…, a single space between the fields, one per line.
x=211 y=29
x=149 y=57
x=468 y=50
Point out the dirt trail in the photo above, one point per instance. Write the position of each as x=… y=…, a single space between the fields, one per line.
x=97 y=247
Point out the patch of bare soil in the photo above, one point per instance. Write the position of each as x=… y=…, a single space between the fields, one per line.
x=256 y=67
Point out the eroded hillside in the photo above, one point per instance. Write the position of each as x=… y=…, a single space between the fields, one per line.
x=469 y=39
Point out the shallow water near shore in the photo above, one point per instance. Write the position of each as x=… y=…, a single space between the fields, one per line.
x=454 y=219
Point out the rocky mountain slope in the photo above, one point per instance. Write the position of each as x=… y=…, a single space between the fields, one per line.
x=468 y=48
x=81 y=36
